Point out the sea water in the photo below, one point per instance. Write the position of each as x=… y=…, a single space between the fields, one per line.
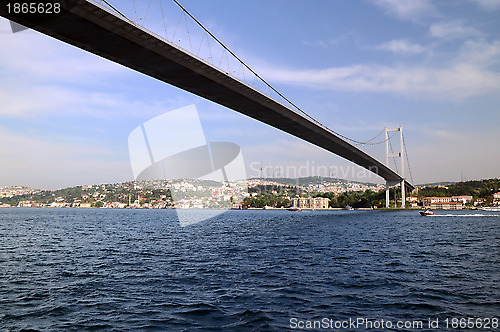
x=129 y=270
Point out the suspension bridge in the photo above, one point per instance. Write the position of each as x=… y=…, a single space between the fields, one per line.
x=102 y=29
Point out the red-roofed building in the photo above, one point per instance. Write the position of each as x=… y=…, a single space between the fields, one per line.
x=427 y=201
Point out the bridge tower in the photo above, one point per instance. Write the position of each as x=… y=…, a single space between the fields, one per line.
x=395 y=155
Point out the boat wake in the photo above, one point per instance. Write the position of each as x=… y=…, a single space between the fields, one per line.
x=465 y=215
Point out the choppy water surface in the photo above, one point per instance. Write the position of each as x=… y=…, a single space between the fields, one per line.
x=128 y=270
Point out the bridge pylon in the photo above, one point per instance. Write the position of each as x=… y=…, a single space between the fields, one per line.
x=395 y=155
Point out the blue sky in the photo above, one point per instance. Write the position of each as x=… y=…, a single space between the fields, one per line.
x=356 y=66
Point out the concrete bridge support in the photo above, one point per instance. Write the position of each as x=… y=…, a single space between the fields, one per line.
x=395 y=155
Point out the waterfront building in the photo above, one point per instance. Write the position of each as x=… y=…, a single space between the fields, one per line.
x=412 y=199
x=24 y=204
x=465 y=199
x=479 y=201
x=428 y=202
x=238 y=206
x=496 y=198
x=446 y=206
x=311 y=203
x=58 y=204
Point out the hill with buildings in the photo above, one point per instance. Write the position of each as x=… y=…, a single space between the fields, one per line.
x=476 y=189
x=187 y=193
x=253 y=193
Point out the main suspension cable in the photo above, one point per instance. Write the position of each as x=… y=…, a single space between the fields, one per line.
x=355 y=142
x=262 y=79
x=119 y=12
x=407 y=160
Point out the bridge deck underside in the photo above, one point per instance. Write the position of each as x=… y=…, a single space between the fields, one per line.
x=100 y=32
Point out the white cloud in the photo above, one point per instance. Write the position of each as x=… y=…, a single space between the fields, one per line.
x=452 y=30
x=402 y=46
x=411 y=10
x=42 y=58
x=480 y=52
x=347 y=37
x=467 y=74
x=488 y=4
x=25 y=100
x=22 y=101
x=457 y=81
x=43 y=76
x=319 y=43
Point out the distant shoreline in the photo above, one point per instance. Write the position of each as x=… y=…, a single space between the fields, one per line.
x=231 y=209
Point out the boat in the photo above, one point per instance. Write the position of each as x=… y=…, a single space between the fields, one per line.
x=427 y=213
x=347 y=207
x=491 y=208
x=294 y=208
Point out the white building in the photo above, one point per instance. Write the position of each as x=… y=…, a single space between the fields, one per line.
x=311 y=203
x=496 y=198
x=429 y=201
x=446 y=206
x=464 y=199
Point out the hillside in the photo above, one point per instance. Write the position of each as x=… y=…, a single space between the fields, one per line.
x=476 y=189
